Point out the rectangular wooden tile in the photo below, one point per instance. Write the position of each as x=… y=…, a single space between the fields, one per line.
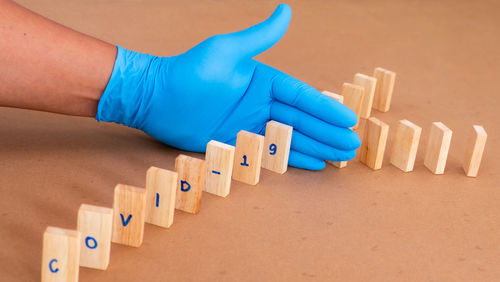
x=405 y=145
x=219 y=159
x=96 y=226
x=340 y=99
x=474 y=151
x=248 y=157
x=277 y=143
x=60 y=255
x=353 y=98
x=437 y=149
x=369 y=84
x=161 y=187
x=384 y=88
x=191 y=173
x=373 y=144
x=129 y=209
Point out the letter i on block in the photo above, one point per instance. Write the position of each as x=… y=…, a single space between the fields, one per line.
x=353 y=98
x=277 y=146
x=161 y=187
x=248 y=157
x=438 y=146
x=129 y=207
x=369 y=83
x=373 y=144
x=219 y=158
x=191 y=172
x=474 y=151
x=340 y=99
x=60 y=255
x=404 y=148
x=383 y=91
x=96 y=225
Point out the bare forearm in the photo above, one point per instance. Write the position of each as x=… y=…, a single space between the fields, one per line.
x=46 y=66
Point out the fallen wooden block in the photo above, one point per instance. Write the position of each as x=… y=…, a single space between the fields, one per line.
x=340 y=99
x=248 y=157
x=191 y=172
x=129 y=208
x=438 y=146
x=60 y=255
x=161 y=187
x=96 y=226
x=353 y=98
x=219 y=160
x=384 y=88
x=277 y=143
x=369 y=84
x=405 y=146
x=474 y=152
x=373 y=144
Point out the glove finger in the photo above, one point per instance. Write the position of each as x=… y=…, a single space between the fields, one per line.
x=300 y=160
x=306 y=145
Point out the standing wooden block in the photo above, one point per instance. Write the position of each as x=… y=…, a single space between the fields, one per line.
x=404 y=148
x=219 y=160
x=248 y=157
x=277 y=146
x=383 y=91
x=369 y=84
x=96 y=226
x=60 y=255
x=474 y=152
x=129 y=208
x=353 y=98
x=191 y=173
x=437 y=148
x=340 y=99
x=373 y=144
x=161 y=187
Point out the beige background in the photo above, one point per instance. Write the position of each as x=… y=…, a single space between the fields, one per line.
x=346 y=225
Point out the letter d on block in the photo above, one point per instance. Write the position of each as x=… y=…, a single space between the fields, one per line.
x=191 y=172
x=129 y=208
x=61 y=255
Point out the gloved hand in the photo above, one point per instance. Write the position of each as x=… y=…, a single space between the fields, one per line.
x=216 y=89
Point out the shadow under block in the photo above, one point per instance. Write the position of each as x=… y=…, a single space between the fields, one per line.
x=353 y=98
x=277 y=143
x=340 y=99
x=161 y=187
x=474 y=151
x=437 y=149
x=129 y=208
x=219 y=159
x=373 y=144
x=248 y=157
x=96 y=226
x=60 y=255
x=191 y=172
x=405 y=145
x=383 y=90
x=369 y=84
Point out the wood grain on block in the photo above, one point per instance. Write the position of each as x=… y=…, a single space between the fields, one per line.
x=248 y=157
x=373 y=144
x=353 y=98
x=60 y=255
x=340 y=99
x=129 y=208
x=277 y=143
x=96 y=226
x=384 y=88
x=405 y=145
x=437 y=149
x=219 y=159
x=369 y=84
x=474 y=151
x=191 y=172
x=161 y=187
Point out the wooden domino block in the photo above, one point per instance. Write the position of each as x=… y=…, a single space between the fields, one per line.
x=60 y=255
x=373 y=144
x=219 y=159
x=96 y=226
x=369 y=84
x=437 y=149
x=161 y=187
x=277 y=143
x=191 y=172
x=474 y=152
x=384 y=88
x=353 y=98
x=404 y=148
x=129 y=208
x=340 y=99
x=248 y=157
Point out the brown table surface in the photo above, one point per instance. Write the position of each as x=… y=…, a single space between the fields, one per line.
x=352 y=224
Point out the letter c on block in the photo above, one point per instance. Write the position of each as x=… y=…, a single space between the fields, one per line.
x=51 y=268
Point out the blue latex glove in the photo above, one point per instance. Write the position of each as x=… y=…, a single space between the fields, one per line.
x=216 y=89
